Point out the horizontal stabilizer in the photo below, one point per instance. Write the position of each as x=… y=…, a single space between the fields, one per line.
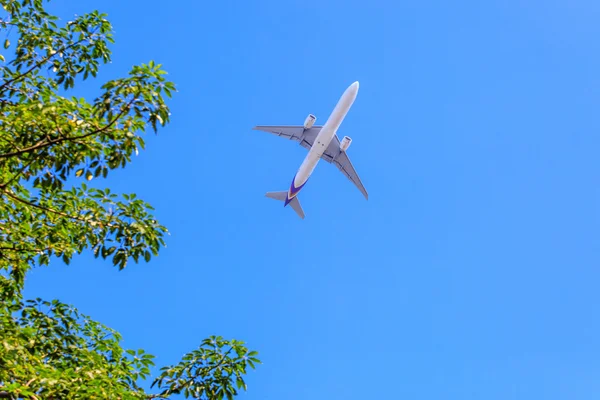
x=282 y=196
x=295 y=203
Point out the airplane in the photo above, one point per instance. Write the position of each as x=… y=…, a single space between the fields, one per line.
x=322 y=142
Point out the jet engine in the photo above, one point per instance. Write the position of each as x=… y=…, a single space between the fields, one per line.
x=309 y=121
x=345 y=143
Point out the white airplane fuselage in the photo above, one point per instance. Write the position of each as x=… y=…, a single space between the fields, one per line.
x=322 y=140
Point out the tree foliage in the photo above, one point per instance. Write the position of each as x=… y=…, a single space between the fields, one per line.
x=51 y=351
x=51 y=144
x=48 y=139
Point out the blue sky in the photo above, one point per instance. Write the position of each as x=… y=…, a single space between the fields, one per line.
x=472 y=270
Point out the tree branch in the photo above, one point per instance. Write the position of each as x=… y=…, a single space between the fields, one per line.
x=15 y=176
x=199 y=371
x=50 y=210
x=39 y=64
x=50 y=142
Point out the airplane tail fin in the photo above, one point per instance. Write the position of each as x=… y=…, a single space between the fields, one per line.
x=282 y=196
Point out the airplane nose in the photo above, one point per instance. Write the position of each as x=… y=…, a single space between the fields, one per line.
x=353 y=88
x=349 y=95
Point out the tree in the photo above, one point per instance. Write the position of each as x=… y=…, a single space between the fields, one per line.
x=50 y=146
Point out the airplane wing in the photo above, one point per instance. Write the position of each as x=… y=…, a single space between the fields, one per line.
x=333 y=154
x=340 y=159
x=306 y=137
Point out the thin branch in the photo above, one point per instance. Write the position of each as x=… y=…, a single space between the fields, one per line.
x=50 y=210
x=199 y=371
x=11 y=180
x=9 y=142
x=40 y=63
x=46 y=143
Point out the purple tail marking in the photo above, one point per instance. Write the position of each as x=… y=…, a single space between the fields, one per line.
x=293 y=190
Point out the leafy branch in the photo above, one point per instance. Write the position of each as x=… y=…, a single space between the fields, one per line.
x=36 y=66
x=48 y=350
x=49 y=142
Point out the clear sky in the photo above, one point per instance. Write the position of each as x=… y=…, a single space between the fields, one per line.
x=472 y=270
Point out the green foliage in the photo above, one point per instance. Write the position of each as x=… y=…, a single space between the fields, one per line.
x=48 y=140
x=48 y=350
x=210 y=371
x=51 y=351
x=50 y=146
